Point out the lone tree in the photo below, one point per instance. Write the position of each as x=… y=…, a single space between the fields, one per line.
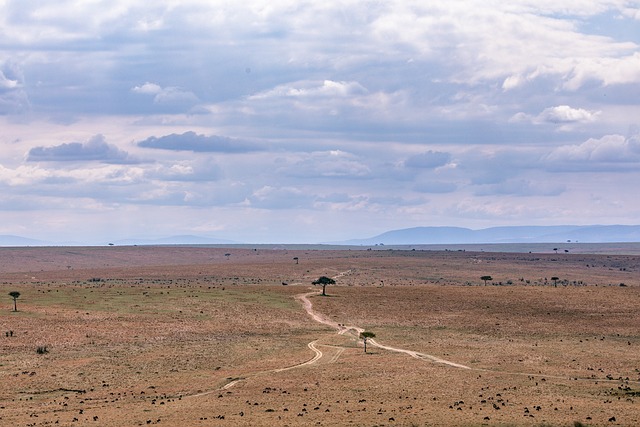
x=295 y=258
x=324 y=281
x=365 y=336
x=486 y=279
x=14 y=295
x=555 y=281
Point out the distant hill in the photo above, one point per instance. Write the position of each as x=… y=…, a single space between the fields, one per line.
x=10 y=240
x=175 y=240
x=517 y=234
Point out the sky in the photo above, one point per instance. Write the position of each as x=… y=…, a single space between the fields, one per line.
x=300 y=121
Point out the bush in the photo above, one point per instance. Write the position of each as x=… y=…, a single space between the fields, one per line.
x=42 y=349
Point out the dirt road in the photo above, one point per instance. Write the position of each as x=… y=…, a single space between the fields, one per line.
x=356 y=331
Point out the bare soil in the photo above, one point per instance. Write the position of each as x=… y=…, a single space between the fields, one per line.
x=197 y=336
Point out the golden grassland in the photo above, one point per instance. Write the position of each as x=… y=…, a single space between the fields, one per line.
x=196 y=336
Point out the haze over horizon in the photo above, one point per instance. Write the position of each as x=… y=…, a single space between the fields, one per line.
x=301 y=121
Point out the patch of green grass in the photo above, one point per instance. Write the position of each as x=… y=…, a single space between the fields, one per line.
x=143 y=300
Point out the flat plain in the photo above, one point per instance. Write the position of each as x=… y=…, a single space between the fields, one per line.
x=203 y=336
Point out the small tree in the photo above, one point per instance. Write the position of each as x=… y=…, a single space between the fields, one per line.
x=555 y=281
x=14 y=295
x=365 y=336
x=324 y=281
x=486 y=279
x=295 y=258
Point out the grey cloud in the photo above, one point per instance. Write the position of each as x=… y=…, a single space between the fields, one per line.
x=335 y=198
x=435 y=187
x=269 y=197
x=190 y=141
x=521 y=188
x=95 y=149
x=327 y=164
x=13 y=97
x=395 y=201
x=496 y=167
x=428 y=160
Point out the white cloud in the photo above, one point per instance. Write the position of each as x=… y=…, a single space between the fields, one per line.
x=166 y=96
x=609 y=152
x=6 y=83
x=631 y=12
x=562 y=115
x=607 y=70
x=566 y=114
x=313 y=89
x=148 y=89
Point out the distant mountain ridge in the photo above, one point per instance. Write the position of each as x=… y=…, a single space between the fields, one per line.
x=515 y=234
x=407 y=236
x=176 y=240
x=10 y=240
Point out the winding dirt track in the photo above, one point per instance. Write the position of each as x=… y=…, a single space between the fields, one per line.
x=356 y=331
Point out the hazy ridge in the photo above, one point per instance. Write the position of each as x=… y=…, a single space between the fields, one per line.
x=516 y=234
x=407 y=236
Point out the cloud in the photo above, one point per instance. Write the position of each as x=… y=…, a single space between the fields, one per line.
x=190 y=141
x=313 y=89
x=521 y=188
x=633 y=13
x=611 y=152
x=95 y=149
x=428 y=160
x=202 y=170
x=325 y=164
x=322 y=106
x=607 y=71
x=562 y=115
x=147 y=89
x=13 y=97
x=494 y=166
x=269 y=197
x=432 y=186
x=167 y=96
x=566 y=114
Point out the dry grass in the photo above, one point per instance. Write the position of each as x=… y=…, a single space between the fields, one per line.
x=141 y=336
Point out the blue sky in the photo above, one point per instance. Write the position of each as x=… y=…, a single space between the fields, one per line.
x=302 y=121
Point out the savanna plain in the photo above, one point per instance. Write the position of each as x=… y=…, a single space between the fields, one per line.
x=208 y=336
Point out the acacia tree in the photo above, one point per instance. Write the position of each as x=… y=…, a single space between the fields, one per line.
x=14 y=295
x=365 y=336
x=555 y=281
x=486 y=279
x=324 y=281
